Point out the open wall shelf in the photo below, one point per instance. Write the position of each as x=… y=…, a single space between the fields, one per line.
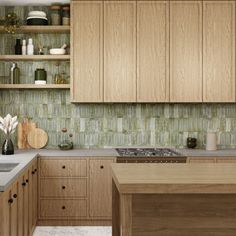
x=34 y=86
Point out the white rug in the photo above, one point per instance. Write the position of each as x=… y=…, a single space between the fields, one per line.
x=73 y=231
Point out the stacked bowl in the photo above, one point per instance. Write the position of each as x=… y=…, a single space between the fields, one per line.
x=37 y=18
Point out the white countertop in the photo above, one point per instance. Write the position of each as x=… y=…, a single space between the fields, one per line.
x=24 y=157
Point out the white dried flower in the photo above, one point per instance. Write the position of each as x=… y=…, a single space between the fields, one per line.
x=8 y=124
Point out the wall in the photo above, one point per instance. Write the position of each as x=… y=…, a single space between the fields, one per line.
x=102 y=125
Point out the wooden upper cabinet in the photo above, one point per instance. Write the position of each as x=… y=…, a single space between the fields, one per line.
x=120 y=51
x=152 y=51
x=186 y=51
x=219 y=51
x=87 y=51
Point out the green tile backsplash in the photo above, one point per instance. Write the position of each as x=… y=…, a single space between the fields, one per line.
x=102 y=125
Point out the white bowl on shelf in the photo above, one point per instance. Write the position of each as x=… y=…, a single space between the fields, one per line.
x=37 y=14
x=57 y=51
x=40 y=82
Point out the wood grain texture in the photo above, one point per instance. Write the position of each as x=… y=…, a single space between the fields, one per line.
x=186 y=51
x=219 y=51
x=37 y=138
x=56 y=208
x=226 y=160
x=126 y=208
x=100 y=188
x=14 y=210
x=115 y=210
x=63 y=188
x=152 y=51
x=120 y=51
x=26 y=203
x=184 y=215
x=175 y=178
x=201 y=160
x=87 y=51
x=54 y=168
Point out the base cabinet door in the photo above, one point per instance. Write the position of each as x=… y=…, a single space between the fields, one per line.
x=100 y=188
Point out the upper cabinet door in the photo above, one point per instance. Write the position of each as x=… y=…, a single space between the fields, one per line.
x=186 y=51
x=87 y=51
x=120 y=51
x=219 y=51
x=152 y=51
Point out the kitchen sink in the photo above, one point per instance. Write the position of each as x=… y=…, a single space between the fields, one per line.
x=7 y=167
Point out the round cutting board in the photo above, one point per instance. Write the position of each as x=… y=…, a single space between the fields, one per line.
x=37 y=138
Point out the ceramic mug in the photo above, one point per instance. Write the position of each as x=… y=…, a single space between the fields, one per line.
x=211 y=141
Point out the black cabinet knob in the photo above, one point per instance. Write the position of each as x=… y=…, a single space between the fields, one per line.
x=63 y=167
x=101 y=167
x=10 y=200
x=15 y=195
x=63 y=187
x=27 y=181
x=33 y=172
x=23 y=184
x=63 y=208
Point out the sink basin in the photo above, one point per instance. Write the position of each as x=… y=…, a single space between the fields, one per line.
x=7 y=167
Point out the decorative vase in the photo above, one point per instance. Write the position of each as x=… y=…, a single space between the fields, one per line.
x=8 y=147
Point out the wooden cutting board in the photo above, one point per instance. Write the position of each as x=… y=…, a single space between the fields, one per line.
x=22 y=131
x=37 y=138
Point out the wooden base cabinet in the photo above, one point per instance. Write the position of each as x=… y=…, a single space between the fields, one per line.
x=100 y=188
x=75 y=191
x=18 y=215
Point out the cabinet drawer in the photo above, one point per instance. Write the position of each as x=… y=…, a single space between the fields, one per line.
x=63 y=168
x=63 y=188
x=56 y=208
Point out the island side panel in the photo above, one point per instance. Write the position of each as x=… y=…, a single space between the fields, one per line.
x=126 y=214
x=184 y=214
x=115 y=210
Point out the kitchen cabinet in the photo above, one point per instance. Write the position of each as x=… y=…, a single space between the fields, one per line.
x=226 y=160
x=186 y=51
x=120 y=51
x=100 y=187
x=87 y=51
x=75 y=188
x=219 y=51
x=152 y=51
x=63 y=189
x=16 y=204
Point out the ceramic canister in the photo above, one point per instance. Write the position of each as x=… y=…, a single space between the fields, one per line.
x=211 y=141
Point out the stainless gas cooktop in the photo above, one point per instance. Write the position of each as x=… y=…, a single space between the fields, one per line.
x=156 y=155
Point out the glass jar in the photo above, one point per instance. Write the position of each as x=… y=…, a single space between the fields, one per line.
x=66 y=15
x=55 y=12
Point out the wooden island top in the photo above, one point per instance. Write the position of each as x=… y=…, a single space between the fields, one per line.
x=173 y=199
x=175 y=178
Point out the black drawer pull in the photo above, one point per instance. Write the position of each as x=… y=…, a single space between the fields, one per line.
x=23 y=184
x=63 y=208
x=10 y=200
x=15 y=195
x=63 y=187
x=63 y=167
x=33 y=172
x=101 y=167
x=27 y=181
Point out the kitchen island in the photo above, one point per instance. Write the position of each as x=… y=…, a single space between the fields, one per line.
x=174 y=199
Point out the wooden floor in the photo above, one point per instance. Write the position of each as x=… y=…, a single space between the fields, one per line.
x=72 y=231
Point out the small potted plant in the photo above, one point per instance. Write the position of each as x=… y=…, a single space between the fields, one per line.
x=67 y=143
x=8 y=125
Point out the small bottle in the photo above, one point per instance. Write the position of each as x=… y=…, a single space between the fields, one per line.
x=15 y=74
x=18 y=47
x=30 y=47
x=24 y=50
